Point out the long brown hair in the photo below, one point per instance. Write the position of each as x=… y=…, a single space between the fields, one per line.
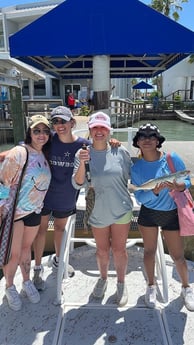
x=46 y=147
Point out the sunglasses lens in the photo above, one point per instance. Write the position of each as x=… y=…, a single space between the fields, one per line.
x=144 y=137
x=58 y=121
x=38 y=131
x=46 y=131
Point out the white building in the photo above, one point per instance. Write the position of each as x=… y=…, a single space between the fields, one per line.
x=179 y=79
x=35 y=84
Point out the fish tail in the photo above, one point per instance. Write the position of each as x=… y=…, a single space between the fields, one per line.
x=131 y=186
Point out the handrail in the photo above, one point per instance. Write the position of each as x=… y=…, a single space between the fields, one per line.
x=62 y=271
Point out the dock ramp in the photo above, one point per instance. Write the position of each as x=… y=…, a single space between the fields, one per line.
x=184 y=117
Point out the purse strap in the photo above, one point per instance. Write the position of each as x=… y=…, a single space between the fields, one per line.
x=21 y=176
x=170 y=162
x=172 y=168
x=19 y=184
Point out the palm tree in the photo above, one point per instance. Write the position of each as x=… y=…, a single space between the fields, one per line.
x=168 y=7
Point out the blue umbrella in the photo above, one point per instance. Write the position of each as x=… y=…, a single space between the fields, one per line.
x=142 y=85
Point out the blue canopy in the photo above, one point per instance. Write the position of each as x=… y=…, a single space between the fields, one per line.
x=140 y=41
x=142 y=85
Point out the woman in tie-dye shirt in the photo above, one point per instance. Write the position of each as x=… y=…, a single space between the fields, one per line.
x=27 y=217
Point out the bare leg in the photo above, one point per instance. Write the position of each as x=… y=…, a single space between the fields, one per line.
x=39 y=241
x=176 y=250
x=119 y=234
x=10 y=269
x=25 y=260
x=59 y=226
x=102 y=238
x=150 y=235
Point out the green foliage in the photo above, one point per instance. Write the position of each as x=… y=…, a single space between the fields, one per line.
x=153 y=94
x=191 y=58
x=169 y=8
x=85 y=110
x=177 y=98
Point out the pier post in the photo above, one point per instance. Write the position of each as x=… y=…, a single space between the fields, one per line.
x=17 y=114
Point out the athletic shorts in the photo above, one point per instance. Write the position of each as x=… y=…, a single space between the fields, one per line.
x=32 y=219
x=167 y=220
x=57 y=214
x=125 y=219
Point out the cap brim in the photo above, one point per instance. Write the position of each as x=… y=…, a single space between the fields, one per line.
x=66 y=118
x=160 y=138
x=99 y=125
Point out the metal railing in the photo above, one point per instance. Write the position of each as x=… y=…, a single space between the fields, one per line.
x=67 y=247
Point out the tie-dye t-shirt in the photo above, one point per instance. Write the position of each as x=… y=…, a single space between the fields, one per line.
x=35 y=181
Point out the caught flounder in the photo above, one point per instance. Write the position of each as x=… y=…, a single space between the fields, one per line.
x=90 y=201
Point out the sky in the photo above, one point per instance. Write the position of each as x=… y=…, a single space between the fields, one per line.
x=186 y=16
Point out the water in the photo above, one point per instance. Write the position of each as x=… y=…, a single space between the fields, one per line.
x=172 y=130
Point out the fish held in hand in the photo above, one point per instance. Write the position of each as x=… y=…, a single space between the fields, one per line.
x=90 y=201
x=178 y=176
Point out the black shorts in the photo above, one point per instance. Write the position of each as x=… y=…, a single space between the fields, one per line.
x=167 y=220
x=57 y=214
x=32 y=219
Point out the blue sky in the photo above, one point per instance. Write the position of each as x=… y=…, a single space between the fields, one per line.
x=186 y=17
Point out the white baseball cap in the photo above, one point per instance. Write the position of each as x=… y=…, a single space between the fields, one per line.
x=99 y=119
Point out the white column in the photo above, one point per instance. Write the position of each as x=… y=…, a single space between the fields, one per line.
x=31 y=88
x=101 y=82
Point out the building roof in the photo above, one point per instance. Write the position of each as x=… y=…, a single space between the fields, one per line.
x=140 y=41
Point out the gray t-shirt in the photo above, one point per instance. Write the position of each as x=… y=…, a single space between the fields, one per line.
x=110 y=171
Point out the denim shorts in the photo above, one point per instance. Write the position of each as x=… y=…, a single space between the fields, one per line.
x=167 y=220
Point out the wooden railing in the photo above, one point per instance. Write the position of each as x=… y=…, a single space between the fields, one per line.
x=124 y=113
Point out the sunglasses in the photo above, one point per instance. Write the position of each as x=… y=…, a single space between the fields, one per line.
x=149 y=136
x=39 y=131
x=59 y=121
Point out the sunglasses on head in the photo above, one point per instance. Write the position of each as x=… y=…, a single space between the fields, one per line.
x=147 y=136
x=37 y=131
x=59 y=121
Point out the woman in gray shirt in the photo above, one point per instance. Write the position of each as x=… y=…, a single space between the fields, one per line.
x=112 y=212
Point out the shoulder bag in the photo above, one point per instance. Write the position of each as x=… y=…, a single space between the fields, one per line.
x=6 y=228
x=185 y=205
